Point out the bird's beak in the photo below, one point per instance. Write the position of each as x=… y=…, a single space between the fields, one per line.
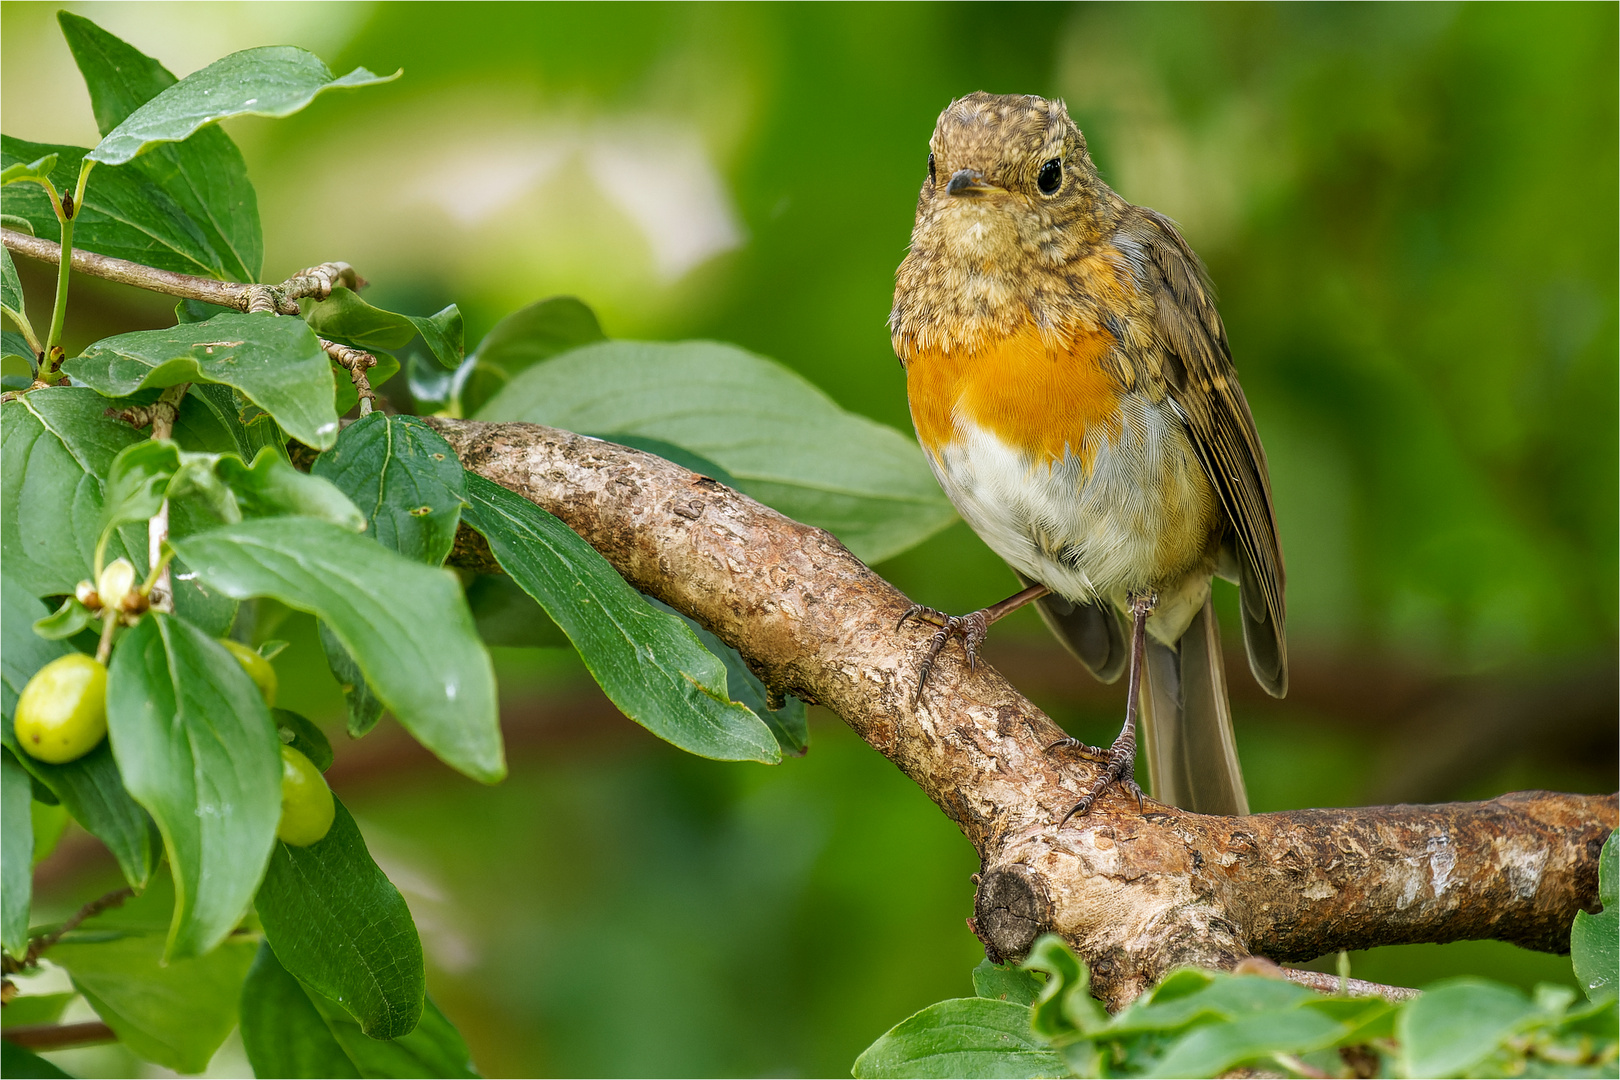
x=967 y=182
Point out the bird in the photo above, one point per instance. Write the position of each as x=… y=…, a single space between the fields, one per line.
x=1072 y=386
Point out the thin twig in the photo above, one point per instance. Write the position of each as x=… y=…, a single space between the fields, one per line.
x=38 y=946
x=1295 y=1064
x=48 y=1037
x=164 y=412
x=315 y=282
x=1334 y=984
x=356 y=363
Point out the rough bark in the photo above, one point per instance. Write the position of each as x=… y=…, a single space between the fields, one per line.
x=1135 y=893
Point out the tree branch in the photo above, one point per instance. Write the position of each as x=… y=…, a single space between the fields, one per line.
x=316 y=282
x=1135 y=894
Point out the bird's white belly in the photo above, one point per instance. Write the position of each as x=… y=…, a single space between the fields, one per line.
x=1129 y=511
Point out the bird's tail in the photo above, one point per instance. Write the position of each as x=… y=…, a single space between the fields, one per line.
x=1187 y=723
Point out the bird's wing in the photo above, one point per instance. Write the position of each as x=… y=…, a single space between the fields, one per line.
x=1203 y=385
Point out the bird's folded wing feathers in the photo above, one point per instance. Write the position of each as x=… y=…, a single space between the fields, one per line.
x=1204 y=387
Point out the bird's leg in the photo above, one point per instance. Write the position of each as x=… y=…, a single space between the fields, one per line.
x=971 y=628
x=1121 y=757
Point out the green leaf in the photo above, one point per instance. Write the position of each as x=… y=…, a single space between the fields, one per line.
x=21 y=224
x=277 y=363
x=36 y=1009
x=126 y=213
x=37 y=169
x=345 y=317
x=282 y=1032
x=50 y=818
x=364 y=707
x=212 y=613
x=1456 y=1024
x=137 y=482
x=789 y=723
x=1221 y=997
x=15 y=345
x=90 y=787
x=406 y=476
x=174 y=1012
x=56 y=443
x=1213 y=1049
x=1594 y=940
x=11 y=293
x=506 y=615
x=962 y=1037
x=16 y=854
x=302 y=735
x=435 y=1048
x=1065 y=1006
x=338 y=924
x=521 y=340
x=197 y=748
x=274 y=81
x=647 y=661
x=785 y=441
x=205 y=175
x=15 y=1061
x=406 y=624
x=1006 y=983
x=210 y=422
x=65 y=621
x=271 y=487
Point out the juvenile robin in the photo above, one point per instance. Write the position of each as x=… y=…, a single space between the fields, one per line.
x=1070 y=381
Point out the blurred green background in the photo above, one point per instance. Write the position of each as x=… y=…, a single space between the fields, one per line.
x=1409 y=210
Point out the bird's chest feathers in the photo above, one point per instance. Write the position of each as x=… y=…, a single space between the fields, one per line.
x=1035 y=396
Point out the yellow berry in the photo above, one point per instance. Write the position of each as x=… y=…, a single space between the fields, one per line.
x=62 y=712
x=257 y=667
x=306 y=801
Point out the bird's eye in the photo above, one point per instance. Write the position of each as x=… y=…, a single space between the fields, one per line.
x=930 y=168
x=1051 y=177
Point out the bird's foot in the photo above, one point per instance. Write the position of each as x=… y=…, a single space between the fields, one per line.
x=971 y=629
x=1120 y=769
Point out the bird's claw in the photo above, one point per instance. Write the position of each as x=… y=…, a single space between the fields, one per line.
x=1121 y=770
x=972 y=628
x=1084 y=749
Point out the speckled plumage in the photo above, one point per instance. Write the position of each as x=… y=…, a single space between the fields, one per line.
x=1071 y=381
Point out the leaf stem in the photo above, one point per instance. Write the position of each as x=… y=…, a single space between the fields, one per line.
x=109 y=623
x=157 y=570
x=64 y=269
x=78 y=191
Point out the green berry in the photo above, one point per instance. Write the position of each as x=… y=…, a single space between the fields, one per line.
x=62 y=712
x=257 y=667
x=307 y=808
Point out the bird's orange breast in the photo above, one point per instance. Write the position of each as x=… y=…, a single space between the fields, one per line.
x=1032 y=394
